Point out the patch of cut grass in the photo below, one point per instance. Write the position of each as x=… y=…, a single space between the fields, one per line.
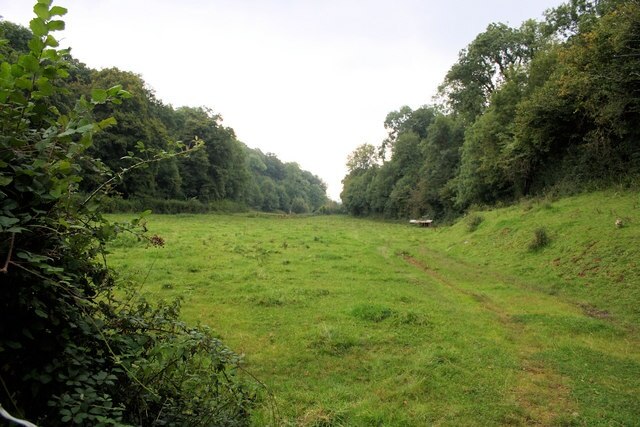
x=372 y=312
x=333 y=342
x=359 y=322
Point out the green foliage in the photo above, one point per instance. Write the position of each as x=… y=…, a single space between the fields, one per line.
x=70 y=352
x=274 y=185
x=299 y=206
x=486 y=64
x=362 y=159
x=182 y=374
x=331 y=208
x=548 y=107
x=17 y=38
x=225 y=169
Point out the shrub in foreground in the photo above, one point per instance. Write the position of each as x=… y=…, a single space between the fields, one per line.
x=70 y=352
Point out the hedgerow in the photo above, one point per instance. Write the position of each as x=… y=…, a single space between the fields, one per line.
x=71 y=351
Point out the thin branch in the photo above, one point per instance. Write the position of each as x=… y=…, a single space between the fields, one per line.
x=119 y=175
x=116 y=358
x=9 y=417
x=15 y=405
x=272 y=398
x=5 y=268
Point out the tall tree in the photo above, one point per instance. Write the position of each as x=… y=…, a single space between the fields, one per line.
x=485 y=64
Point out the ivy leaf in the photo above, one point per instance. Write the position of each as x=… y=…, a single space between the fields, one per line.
x=35 y=44
x=81 y=129
x=41 y=313
x=49 y=54
x=24 y=83
x=110 y=121
x=58 y=11
x=27 y=333
x=39 y=27
x=16 y=70
x=5 y=180
x=5 y=71
x=85 y=128
x=44 y=86
x=124 y=94
x=18 y=98
x=6 y=221
x=64 y=166
x=15 y=230
x=30 y=63
x=98 y=96
x=42 y=11
x=55 y=25
x=114 y=90
x=51 y=41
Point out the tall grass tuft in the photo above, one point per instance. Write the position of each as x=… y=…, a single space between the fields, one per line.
x=540 y=239
x=473 y=221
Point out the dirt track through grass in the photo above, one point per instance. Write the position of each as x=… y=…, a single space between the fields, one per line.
x=353 y=322
x=539 y=390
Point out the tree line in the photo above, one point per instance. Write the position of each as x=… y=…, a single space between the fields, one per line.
x=224 y=169
x=550 y=106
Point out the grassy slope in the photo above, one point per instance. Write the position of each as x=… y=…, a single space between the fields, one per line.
x=589 y=259
x=354 y=322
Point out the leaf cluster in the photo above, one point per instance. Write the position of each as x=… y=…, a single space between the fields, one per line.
x=70 y=352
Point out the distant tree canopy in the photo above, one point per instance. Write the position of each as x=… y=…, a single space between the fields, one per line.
x=548 y=106
x=226 y=169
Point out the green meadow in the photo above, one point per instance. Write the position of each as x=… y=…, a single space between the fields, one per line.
x=526 y=315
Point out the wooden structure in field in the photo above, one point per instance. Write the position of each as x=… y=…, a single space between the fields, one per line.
x=421 y=222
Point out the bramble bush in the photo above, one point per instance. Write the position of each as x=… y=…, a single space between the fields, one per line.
x=70 y=350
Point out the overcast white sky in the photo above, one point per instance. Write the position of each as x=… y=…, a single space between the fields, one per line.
x=308 y=80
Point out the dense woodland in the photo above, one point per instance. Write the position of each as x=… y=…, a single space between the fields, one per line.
x=225 y=169
x=550 y=106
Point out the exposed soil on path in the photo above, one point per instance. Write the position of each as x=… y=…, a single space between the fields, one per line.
x=542 y=393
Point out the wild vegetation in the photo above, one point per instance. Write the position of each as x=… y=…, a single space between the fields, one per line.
x=71 y=352
x=520 y=315
x=549 y=107
x=360 y=322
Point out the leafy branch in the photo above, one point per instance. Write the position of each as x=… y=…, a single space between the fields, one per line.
x=157 y=156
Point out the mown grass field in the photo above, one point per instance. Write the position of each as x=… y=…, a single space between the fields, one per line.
x=361 y=322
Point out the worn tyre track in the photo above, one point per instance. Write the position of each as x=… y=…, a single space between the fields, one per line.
x=542 y=393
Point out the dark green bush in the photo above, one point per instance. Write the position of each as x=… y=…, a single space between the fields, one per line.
x=540 y=239
x=70 y=351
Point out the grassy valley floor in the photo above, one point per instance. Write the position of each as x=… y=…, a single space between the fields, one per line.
x=360 y=322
